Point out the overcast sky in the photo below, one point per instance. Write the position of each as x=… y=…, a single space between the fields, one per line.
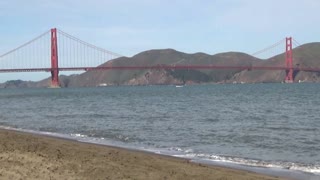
x=128 y=27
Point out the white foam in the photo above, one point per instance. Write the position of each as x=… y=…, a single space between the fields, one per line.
x=78 y=135
x=314 y=169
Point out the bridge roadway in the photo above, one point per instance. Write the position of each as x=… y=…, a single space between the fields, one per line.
x=168 y=67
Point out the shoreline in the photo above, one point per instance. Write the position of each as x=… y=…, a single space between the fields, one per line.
x=27 y=155
x=286 y=173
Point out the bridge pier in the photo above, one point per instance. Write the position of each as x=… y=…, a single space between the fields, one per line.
x=54 y=59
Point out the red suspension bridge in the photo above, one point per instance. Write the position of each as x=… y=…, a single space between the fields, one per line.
x=55 y=51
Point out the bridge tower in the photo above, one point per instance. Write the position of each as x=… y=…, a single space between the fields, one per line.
x=54 y=59
x=289 y=61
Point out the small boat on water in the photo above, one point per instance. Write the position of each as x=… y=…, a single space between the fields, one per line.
x=178 y=86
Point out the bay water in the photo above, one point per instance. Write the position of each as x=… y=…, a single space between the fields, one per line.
x=253 y=125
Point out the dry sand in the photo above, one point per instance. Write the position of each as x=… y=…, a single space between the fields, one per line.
x=30 y=156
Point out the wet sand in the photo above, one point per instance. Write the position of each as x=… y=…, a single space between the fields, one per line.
x=31 y=156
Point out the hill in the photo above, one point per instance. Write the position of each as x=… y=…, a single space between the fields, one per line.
x=167 y=57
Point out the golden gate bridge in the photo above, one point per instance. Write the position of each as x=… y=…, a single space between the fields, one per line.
x=55 y=51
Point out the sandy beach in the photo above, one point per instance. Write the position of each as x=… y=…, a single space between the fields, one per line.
x=30 y=156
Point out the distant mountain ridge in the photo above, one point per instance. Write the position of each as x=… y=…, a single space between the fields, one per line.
x=307 y=55
x=160 y=77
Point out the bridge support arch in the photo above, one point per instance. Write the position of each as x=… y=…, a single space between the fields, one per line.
x=289 y=61
x=54 y=59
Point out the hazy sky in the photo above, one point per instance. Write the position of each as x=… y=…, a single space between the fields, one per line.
x=128 y=27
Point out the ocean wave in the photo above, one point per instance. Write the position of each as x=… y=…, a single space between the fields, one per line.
x=78 y=135
x=307 y=168
x=189 y=153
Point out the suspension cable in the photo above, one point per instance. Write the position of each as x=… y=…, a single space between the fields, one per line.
x=88 y=44
x=25 y=44
x=268 y=48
